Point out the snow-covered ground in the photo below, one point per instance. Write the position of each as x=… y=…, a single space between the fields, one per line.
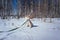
x=40 y=31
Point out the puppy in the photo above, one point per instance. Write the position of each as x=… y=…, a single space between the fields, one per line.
x=29 y=23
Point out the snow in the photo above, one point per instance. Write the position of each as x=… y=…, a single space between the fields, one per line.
x=41 y=30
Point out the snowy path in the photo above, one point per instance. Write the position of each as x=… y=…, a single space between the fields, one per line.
x=43 y=31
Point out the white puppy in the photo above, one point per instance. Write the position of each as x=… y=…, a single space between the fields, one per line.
x=29 y=23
